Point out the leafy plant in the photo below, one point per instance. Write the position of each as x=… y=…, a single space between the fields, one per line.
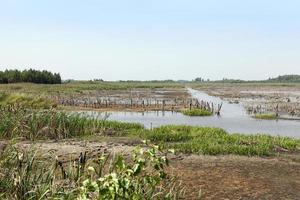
x=143 y=178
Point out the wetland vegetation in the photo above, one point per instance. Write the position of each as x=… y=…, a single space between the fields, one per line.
x=197 y=112
x=32 y=113
x=269 y=116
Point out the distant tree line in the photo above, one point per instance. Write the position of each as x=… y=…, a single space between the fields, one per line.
x=31 y=76
x=199 y=79
x=286 y=78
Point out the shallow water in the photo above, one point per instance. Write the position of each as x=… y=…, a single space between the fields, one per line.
x=233 y=118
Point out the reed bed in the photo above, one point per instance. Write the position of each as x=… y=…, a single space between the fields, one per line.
x=51 y=124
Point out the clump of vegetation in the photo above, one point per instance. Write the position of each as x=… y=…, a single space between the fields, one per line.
x=24 y=175
x=26 y=101
x=31 y=75
x=52 y=124
x=197 y=112
x=269 y=116
x=213 y=141
x=292 y=78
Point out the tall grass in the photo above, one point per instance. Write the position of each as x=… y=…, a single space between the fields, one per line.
x=22 y=176
x=52 y=124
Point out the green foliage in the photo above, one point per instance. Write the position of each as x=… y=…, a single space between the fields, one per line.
x=197 y=112
x=24 y=175
x=169 y=133
x=266 y=116
x=31 y=75
x=141 y=179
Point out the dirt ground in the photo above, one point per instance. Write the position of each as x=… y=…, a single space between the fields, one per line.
x=238 y=177
x=208 y=177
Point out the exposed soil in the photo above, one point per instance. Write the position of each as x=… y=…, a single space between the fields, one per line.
x=211 y=177
x=238 y=177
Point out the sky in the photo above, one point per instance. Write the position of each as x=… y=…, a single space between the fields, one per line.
x=152 y=39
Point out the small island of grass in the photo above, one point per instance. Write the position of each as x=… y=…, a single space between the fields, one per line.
x=197 y=112
x=269 y=116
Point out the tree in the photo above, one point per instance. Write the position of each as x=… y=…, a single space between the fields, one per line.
x=31 y=75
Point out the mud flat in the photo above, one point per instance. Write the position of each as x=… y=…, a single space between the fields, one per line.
x=165 y=99
x=264 y=98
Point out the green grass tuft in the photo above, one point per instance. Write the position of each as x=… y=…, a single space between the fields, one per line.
x=269 y=116
x=197 y=112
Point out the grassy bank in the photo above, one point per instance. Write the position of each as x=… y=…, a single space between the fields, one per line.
x=213 y=141
x=197 y=112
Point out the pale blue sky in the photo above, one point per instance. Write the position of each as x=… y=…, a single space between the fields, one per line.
x=153 y=39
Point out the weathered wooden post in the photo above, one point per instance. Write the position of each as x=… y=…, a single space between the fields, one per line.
x=277 y=110
x=219 y=109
